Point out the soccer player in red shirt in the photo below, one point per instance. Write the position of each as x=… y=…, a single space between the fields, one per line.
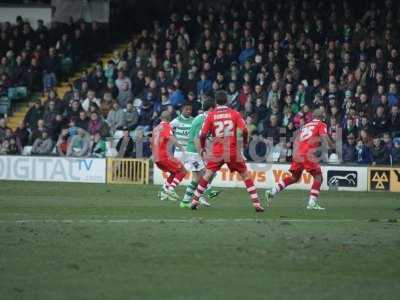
x=307 y=142
x=162 y=140
x=222 y=124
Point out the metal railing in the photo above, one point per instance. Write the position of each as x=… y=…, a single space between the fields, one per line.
x=128 y=171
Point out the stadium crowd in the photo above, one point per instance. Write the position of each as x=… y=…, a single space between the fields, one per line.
x=277 y=60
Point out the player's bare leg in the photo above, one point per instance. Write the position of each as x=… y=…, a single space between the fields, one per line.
x=281 y=186
x=314 y=193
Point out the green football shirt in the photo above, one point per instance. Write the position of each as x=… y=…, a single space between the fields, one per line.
x=181 y=126
x=195 y=132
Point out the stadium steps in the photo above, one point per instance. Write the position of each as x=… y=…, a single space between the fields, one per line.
x=22 y=108
x=18 y=116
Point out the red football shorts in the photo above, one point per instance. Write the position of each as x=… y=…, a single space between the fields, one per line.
x=302 y=163
x=234 y=164
x=170 y=165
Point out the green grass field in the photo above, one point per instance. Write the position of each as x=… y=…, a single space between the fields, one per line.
x=87 y=241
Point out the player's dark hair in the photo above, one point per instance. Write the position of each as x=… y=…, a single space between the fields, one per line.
x=187 y=103
x=207 y=104
x=221 y=98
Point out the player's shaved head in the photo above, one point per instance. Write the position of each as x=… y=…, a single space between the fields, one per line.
x=318 y=114
x=165 y=116
x=221 y=97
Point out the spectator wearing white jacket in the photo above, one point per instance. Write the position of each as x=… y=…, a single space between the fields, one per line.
x=90 y=100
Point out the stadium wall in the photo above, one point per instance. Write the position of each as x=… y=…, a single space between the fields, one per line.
x=9 y=13
x=56 y=169
x=344 y=178
x=384 y=179
x=94 y=170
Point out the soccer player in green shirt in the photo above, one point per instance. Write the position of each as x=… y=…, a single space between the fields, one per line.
x=193 y=161
x=181 y=126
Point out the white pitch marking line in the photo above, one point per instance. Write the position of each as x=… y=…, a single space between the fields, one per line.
x=124 y=221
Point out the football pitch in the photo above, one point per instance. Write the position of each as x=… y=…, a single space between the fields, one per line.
x=93 y=241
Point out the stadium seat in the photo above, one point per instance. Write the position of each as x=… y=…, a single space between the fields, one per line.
x=5 y=105
x=27 y=150
x=110 y=150
x=17 y=93
x=66 y=65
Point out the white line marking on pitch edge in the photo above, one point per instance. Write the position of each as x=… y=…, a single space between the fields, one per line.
x=195 y=220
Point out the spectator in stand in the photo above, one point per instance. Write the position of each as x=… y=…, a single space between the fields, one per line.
x=50 y=68
x=122 y=81
x=98 y=146
x=141 y=145
x=4 y=147
x=82 y=121
x=34 y=114
x=247 y=53
x=115 y=117
x=395 y=121
x=380 y=122
x=395 y=153
x=379 y=153
x=43 y=145
x=147 y=117
x=73 y=111
x=3 y=129
x=130 y=117
x=62 y=142
x=196 y=104
x=125 y=144
x=124 y=95
x=79 y=145
x=393 y=97
x=204 y=85
x=22 y=135
x=37 y=132
x=90 y=100
x=13 y=148
x=349 y=151
x=176 y=96
x=363 y=153
x=49 y=114
x=271 y=132
x=95 y=123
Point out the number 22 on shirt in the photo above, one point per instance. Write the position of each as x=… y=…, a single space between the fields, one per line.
x=223 y=128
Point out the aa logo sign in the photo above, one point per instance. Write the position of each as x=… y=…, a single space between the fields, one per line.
x=384 y=179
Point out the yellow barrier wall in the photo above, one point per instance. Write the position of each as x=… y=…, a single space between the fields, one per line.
x=128 y=171
x=384 y=179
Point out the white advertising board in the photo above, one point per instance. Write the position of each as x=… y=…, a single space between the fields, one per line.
x=266 y=175
x=60 y=169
